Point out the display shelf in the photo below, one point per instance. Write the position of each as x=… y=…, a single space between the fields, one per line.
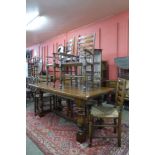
x=84 y=68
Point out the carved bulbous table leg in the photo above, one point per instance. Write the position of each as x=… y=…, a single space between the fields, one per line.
x=81 y=134
x=40 y=104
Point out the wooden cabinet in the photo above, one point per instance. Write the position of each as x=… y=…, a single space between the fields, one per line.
x=104 y=71
x=101 y=73
x=98 y=66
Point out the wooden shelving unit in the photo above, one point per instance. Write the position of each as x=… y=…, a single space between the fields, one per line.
x=33 y=67
x=52 y=68
x=83 y=70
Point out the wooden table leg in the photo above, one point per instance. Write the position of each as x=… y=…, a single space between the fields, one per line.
x=69 y=108
x=40 y=104
x=81 y=134
x=54 y=102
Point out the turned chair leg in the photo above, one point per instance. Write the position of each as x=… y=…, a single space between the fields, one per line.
x=115 y=122
x=35 y=110
x=50 y=103
x=90 y=131
x=86 y=113
x=35 y=105
x=71 y=106
x=53 y=98
x=55 y=102
x=68 y=107
x=119 y=132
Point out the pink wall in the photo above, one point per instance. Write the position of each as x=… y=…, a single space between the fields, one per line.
x=111 y=36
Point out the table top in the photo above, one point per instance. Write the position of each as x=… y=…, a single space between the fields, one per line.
x=73 y=92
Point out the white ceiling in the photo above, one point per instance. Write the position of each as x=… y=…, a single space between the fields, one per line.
x=65 y=15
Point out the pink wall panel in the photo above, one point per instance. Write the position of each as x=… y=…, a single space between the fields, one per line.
x=111 y=36
x=109 y=46
x=123 y=39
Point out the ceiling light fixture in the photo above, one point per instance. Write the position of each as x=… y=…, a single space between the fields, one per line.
x=30 y=16
x=36 y=23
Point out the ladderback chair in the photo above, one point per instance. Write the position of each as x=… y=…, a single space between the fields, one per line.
x=70 y=49
x=47 y=99
x=85 y=52
x=86 y=42
x=109 y=112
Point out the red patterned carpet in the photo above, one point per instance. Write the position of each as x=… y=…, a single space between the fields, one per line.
x=57 y=136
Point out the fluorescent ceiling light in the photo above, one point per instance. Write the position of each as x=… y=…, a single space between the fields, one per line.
x=36 y=23
x=31 y=16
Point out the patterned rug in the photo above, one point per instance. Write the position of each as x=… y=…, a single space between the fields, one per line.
x=57 y=136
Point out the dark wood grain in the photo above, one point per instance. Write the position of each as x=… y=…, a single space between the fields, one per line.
x=73 y=91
